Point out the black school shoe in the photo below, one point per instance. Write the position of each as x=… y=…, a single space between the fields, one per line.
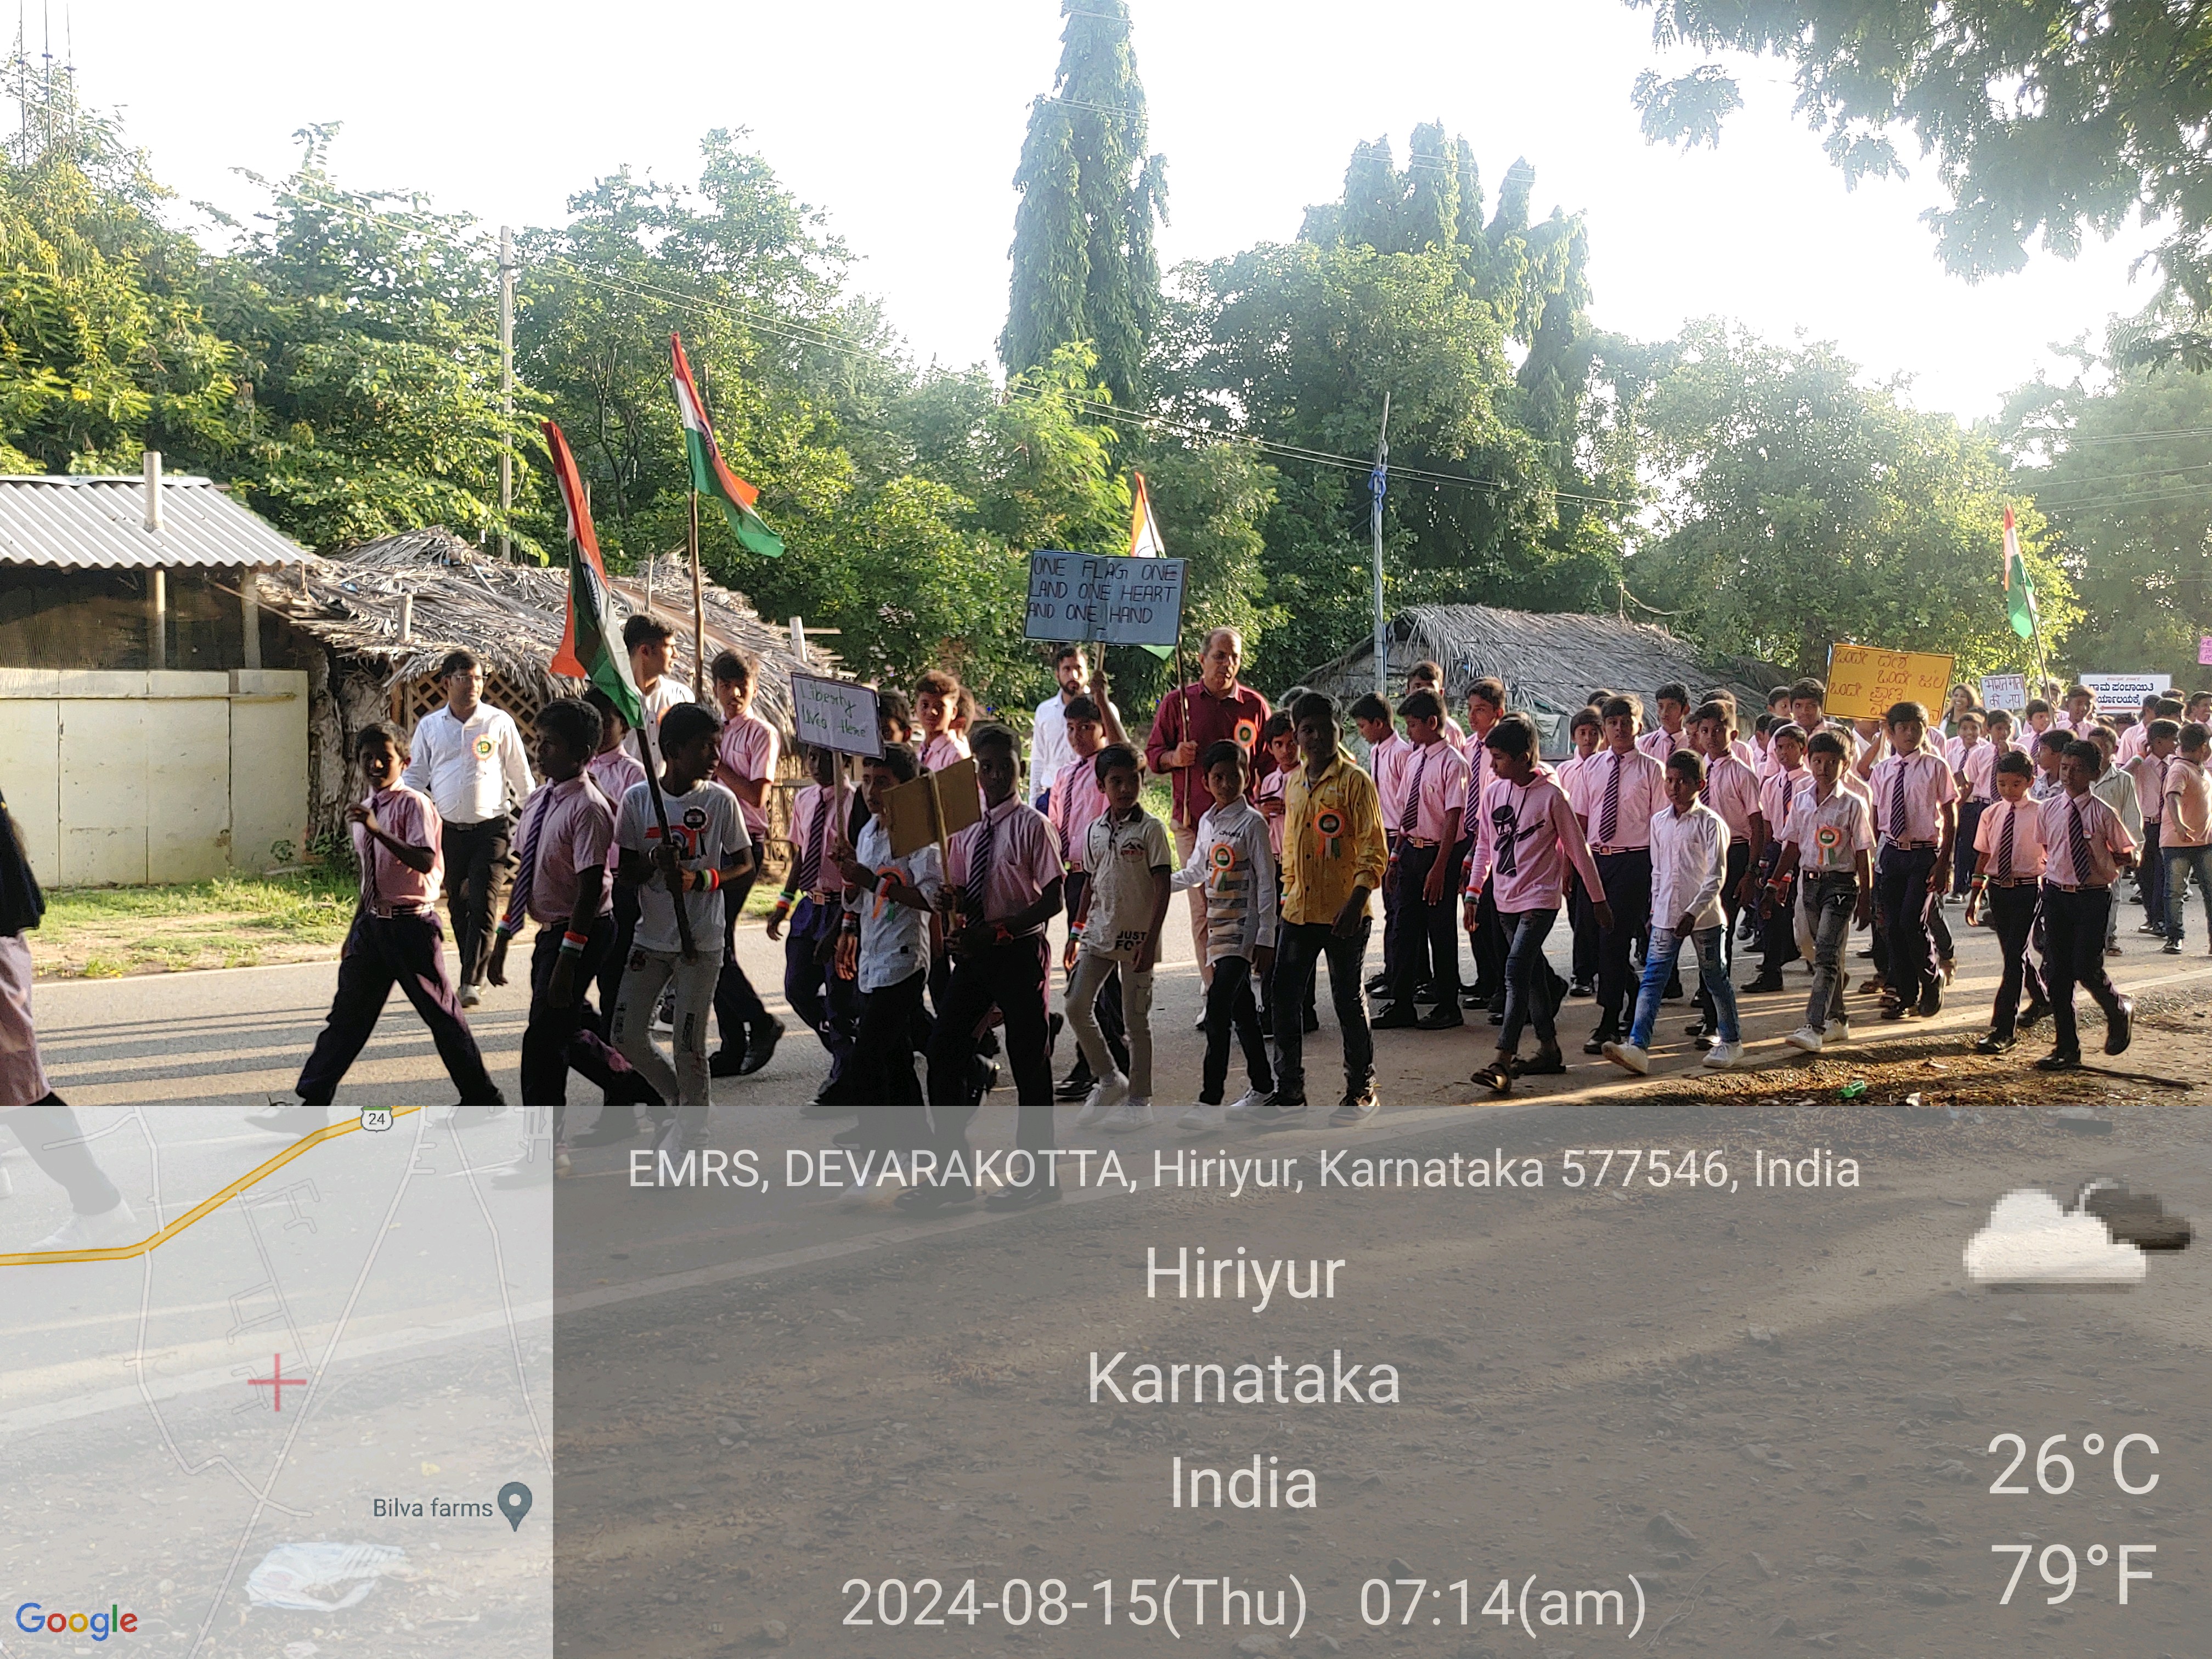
x=616 y=1124
x=2035 y=1013
x=1583 y=987
x=1445 y=1016
x=759 y=1046
x=1398 y=1016
x=2059 y=1060
x=1765 y=983
x=1995 y=1042
x=727 y=1062
x=1076 y=1085
x=927 y=1200
x=2121 y=1029
x=1027 y=1197
x=1931 y=1000
x=1607 y=1032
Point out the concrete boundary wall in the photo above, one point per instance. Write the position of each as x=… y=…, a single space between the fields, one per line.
x=124 y=778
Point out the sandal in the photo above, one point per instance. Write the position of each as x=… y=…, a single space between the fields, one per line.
x=1496 y=1078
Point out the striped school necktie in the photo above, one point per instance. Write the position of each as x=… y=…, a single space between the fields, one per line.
x=1608 y=815
x=2004 y=844
x=809 y=857
x=2077 y=843
x=525 y=868
x=1897 y=802
x=1409 y=815
x=979 y=869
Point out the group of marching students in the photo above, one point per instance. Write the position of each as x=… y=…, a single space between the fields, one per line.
x=1695 y=835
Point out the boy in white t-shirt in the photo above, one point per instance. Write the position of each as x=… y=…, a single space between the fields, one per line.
x=703 y=848
x=1127 y=851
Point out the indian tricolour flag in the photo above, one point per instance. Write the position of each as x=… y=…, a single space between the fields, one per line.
x=2019 y=592
x=709 y=476
x=591 y=644
x=1144 y=534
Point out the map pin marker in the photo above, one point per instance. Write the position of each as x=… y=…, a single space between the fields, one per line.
x=515 y=1503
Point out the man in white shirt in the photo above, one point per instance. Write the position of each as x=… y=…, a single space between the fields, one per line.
x=646 y=637
x=468 y=758
x=1049 y=749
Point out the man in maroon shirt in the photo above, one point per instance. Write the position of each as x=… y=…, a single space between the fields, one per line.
x=1211 y=707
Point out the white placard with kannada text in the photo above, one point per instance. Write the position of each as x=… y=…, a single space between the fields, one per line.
x=838 y=714
x=2123 y=693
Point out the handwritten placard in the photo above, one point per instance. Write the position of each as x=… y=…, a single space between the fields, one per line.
x=2005 y=691
x=836 y=715
x=2204 y=651
x=1109 y=601
x=1864 y=682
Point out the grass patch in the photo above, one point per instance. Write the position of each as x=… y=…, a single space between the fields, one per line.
x=233 y=921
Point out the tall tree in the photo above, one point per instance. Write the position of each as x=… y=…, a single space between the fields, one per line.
x=1806 y=507
x=368 y=334
x=2116 y=461
x=2047 y=119
x=104 y=346
x=1084 y=267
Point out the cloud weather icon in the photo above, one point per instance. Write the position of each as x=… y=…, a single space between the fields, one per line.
x=2030 y=1241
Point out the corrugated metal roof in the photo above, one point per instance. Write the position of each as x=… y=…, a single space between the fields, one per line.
x=99 y=523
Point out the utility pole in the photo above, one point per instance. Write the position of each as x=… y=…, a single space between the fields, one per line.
x=506 y=388
x=1378 y=482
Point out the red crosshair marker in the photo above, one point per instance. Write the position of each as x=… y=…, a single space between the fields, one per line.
x=277 y=1384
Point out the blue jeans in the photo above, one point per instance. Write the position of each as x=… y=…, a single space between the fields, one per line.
x=1659 y=955
x=2182 y=863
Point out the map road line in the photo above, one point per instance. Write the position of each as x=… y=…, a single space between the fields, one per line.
x=201 y=1211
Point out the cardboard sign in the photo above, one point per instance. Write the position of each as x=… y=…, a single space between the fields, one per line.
x=2123 y=693
x=911 y=810
x=2005 y=691
x=1091 y=600
x=1864 y=682
x=836 y=715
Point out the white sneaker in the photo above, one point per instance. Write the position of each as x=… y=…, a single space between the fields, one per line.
x=1722 y=1056
x=562 y=1166
x=1806 y=1037
x=1201 y=1119
x=470 y=995
x=1629 y=1057
x=93 y=1232
x=1105 y=1095
x=1135 y=1112
x=1251 y=1105
x=1839 y=1030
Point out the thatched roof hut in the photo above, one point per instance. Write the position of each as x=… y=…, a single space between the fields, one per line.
x=1549 y=662
x=376 y=620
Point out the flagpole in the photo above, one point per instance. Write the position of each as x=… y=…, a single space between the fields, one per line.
x=698 y=610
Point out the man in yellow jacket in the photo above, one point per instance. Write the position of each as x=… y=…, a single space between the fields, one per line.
x=1332 y=860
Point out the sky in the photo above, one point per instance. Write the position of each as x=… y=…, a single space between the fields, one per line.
x=903 y=123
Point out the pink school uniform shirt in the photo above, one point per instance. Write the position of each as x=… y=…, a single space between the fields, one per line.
x=1433 y=784
x=1078 y=803
x=1640 y=792
x=1531 y=837
x=2106 y=837
x=1025 y=857
x=388 y=886
x=1271 y=788
x=2025 y=856
x=746 y=754
x=1386 y=765
x=1731 y=789
x=573 y=825
x=1928 y=789
x=615 y=771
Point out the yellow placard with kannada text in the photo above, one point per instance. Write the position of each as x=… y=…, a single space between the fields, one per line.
x=1864 y=681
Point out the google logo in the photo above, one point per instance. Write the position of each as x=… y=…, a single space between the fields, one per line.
x=33 y=1620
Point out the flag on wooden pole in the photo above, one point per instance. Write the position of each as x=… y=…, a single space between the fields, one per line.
x=709 y=477
x=1145 y=540
x=2019 y=592
x=590 y=643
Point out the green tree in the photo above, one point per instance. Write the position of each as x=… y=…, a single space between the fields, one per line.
x=2045 y=118
x=105 y=348
x=2116 y=463
x=1084 y=267
x=1803 y=507
x=367 y=330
